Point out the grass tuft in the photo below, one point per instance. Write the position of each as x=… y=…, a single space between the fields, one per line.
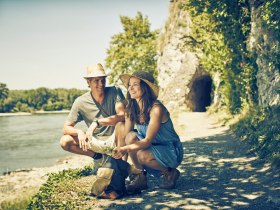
x=261 y=129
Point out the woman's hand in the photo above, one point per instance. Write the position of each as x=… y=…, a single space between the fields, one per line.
x=118 y=152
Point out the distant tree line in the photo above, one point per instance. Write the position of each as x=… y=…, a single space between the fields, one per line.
x=37 y=99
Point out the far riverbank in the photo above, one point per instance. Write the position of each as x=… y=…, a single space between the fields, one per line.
x=36 y=112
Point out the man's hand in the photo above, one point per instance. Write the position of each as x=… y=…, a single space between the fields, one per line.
x=90 y=131
x=83 y=141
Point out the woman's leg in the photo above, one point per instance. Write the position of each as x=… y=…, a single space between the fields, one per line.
x=142 y=157
x=146 y=158
x=119 y=137
x=170 y=175
x=130 y=139
x=140 y=180
x=119 y=134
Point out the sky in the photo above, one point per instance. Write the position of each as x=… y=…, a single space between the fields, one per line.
x=49 y=43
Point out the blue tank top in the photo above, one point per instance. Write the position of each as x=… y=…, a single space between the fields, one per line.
x=166 y=134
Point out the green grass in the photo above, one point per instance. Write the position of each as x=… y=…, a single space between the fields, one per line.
x=20 y=202
x=67 y=189
x=261 y=129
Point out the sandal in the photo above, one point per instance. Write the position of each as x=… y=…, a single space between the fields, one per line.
x=111 y=195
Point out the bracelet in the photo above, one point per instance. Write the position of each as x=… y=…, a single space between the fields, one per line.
x=97 y=122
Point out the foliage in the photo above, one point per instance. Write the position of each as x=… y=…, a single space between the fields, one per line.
x=18 y=205
x=221 y=30
x=271 y=17
x=39 y=99
x=133 y=49
x=20 y=202
x=4 y=91
x=261 y=128
x=220 y=35
x=56 y=183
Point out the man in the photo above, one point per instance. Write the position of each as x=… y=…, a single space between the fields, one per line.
x=101 y=109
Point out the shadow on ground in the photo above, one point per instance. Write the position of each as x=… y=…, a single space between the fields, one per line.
x=216 y=174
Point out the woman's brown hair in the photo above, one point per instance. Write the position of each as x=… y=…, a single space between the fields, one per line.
x=147 y=99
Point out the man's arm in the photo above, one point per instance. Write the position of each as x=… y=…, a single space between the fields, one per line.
x=69 y=129
x=114 y=119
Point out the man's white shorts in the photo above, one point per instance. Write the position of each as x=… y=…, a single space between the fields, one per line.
x=103 y=144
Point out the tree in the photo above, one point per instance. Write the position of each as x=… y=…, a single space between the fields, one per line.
x=4 y=91
x=36 y=98
x=133 y=49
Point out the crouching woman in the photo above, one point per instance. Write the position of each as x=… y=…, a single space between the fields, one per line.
x=155 y=146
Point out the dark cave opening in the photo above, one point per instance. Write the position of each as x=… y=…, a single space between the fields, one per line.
x=201 y=93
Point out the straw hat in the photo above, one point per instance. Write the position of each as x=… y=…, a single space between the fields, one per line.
x=95 y=70
x=145 y=77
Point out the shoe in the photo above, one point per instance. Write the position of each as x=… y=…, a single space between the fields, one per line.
x=111 y=195
x=139 y=183
x=170 y=178
x=133 y=170
x=96 y=165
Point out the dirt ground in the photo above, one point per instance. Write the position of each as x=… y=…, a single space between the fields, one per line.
x=217 y=173
x=28 y=181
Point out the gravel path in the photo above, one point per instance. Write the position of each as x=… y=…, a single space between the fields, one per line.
x=217 y=173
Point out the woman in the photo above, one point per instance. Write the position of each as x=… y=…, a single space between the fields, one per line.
x=155 y=146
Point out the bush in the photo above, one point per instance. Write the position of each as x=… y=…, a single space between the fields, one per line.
x=261 y=128
x=56 y=106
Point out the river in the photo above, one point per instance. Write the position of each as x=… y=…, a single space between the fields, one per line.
x=31 y=141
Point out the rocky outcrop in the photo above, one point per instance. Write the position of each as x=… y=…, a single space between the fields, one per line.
x=183 y=83
x=263 y=43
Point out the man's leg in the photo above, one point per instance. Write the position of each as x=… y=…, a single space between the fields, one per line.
x=71 y=144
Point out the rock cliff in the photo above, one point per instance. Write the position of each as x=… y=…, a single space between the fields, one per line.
x=184 y=84
x=265 y=45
